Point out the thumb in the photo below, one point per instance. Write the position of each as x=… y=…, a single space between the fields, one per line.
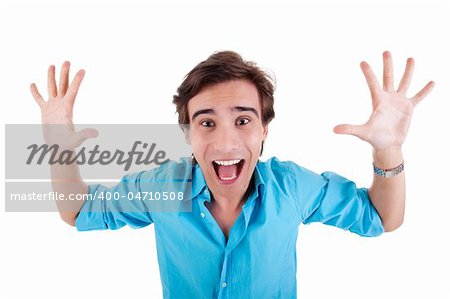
x=355 y=130
x=85 y=134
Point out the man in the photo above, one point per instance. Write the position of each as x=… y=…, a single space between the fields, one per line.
x=239 y=240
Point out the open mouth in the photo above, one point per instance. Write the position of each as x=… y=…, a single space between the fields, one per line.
x=228 y=170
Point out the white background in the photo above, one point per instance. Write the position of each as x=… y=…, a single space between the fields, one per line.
x=135 y=56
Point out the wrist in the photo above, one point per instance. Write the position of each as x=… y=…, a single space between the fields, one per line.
x=387 y=158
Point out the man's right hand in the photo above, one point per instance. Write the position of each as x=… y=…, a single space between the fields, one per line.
x=57 y=112
x=58 y=129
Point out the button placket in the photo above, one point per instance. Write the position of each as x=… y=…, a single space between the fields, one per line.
x=208 y=219
x=224 y=276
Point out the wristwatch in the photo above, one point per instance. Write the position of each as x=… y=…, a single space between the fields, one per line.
x=387 y=173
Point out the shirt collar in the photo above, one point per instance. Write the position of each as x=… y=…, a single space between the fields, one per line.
x=199 y=184
x=198 y=181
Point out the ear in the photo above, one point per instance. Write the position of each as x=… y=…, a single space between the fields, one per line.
x=187 y=133
x=265 y=131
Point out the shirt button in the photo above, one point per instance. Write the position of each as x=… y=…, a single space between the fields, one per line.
x=224 y=284
x=202 y=214
x=206 y=192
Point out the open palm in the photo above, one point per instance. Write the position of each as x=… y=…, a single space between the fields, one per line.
x=392 y=110
x=57 y=112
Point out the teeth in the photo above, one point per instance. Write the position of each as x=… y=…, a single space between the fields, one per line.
x=228 y=179
x=227 y=162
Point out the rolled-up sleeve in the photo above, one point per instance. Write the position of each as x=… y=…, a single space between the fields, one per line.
x=334 y=200
x=110 y=207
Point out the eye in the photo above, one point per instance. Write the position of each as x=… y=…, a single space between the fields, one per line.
x=242 y=121
x=207 y=123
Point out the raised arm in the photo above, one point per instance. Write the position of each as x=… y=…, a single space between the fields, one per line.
x=58 y=129
x=386 y=131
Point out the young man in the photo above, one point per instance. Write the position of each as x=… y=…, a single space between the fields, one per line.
x=239 y=240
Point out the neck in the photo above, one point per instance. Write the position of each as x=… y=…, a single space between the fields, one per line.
x=231 y=202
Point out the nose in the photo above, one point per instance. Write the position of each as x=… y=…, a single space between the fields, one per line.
x=226 y=140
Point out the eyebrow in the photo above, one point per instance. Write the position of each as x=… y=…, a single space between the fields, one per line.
x=203 y=111
x=244 y=109
x=236 y=108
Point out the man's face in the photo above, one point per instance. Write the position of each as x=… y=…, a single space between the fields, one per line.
x=226 y=135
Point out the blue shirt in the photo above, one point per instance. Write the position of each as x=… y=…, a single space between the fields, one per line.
x=259 y=258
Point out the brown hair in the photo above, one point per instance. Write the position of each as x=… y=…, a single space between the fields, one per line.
x=221 y=67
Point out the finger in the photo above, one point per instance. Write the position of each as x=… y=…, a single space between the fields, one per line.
x=355 y=130
x=74 y=86
x=85 y=134
x=36 y=95
x=388 y=72
x=407 y=75
x=423 y=93
x=371 y=80
x=51 y=84
x=64 y=78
